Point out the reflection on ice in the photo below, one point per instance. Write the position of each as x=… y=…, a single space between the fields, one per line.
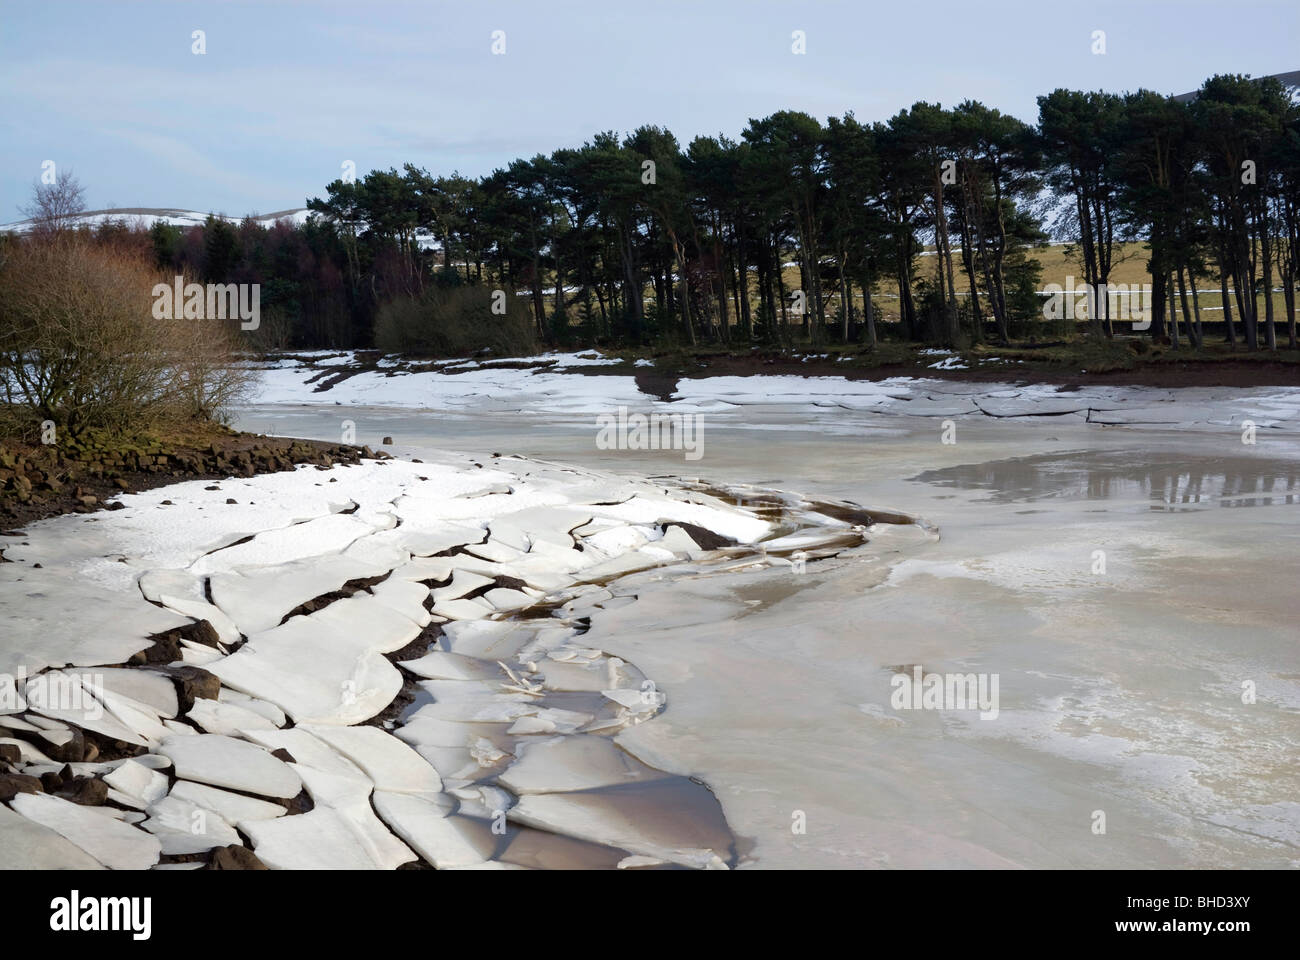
x=1166 y=481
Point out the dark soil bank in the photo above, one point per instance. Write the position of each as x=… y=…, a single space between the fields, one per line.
x=44 y=481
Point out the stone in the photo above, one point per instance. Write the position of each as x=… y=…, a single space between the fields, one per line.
x=192 y=683
x=86 y=791
x=235 y=857
x=12 y=784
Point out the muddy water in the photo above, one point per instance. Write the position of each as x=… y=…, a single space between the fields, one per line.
x=1097 y=573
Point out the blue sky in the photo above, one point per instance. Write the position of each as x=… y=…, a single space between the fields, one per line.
x=287 y=92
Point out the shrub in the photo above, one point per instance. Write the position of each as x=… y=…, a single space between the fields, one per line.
x=453 y=321
x=79 y=344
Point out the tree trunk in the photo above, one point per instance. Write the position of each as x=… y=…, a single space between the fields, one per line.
x=742 y=289
x=683 y=287
x=1230 y=335
x=1158 y=301
x=1187 y=317
x=1270 y=333
x=724 y=318
x=1196 y=306
x=785 y=338
x=869 y=314
x=945 y=261
x=846 y=302
x=1173 y=314
x=632 y=294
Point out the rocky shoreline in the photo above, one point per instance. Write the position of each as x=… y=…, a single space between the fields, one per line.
x=37 y=482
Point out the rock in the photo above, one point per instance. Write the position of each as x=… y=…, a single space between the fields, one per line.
x=166 y=648
x=705 y=538
x=86 y=791
x=10 y=753
x=74 y=749
x=193 y=683
x=235 y=857
x=388 y=441
x=51 y=782
x=201 y=631
x=12 y=784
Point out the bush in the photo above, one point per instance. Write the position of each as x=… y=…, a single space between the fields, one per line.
x=275 y=332
x=79 y=344
x=563 y=334
x=453 y=321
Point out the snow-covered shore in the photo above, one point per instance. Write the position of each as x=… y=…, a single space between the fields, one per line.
x=567 y=385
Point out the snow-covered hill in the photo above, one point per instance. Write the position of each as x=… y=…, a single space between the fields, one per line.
x=148 y=216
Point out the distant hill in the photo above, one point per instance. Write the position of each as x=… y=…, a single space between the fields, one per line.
x=148 y=216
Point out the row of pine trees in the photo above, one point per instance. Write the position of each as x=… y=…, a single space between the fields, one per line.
x=798 y=229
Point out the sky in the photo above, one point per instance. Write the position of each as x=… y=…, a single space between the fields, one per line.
x=286 y=93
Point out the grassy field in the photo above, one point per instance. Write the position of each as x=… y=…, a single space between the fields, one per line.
x=1129 y=267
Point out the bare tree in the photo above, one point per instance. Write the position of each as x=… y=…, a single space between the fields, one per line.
x=82 y=344
x=55 y=205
